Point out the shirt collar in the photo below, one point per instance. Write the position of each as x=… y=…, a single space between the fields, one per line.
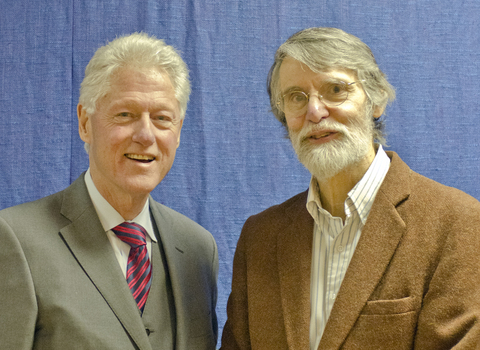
x=109 y=217
x=361 y=196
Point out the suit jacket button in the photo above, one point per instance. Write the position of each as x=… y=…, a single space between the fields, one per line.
x=147 y=330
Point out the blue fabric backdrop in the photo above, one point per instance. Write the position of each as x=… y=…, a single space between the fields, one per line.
x=234 y=160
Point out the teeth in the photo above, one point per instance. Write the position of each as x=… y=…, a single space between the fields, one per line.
x=138 y=157
x=321 y=136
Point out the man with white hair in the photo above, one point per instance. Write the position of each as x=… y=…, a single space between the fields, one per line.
x=372 y=255
x=101 y=265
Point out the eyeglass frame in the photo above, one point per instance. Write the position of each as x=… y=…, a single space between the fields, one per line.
x=320 y=97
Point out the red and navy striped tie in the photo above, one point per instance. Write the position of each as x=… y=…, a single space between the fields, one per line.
x=139 y=268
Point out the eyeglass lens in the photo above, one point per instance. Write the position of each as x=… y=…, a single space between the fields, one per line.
x=330 y=93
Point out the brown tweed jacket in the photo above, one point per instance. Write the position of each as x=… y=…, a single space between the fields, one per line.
x=413 y=282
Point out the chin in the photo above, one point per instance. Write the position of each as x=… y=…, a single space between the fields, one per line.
x=140 y=186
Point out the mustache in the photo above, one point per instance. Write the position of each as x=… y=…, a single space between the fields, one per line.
x=326 y=125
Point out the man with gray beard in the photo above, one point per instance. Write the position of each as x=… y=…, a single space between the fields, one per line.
x=372 y=255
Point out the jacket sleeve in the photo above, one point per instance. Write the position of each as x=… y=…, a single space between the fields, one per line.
x=18 y=306
x=450 y=314
x=235 y=334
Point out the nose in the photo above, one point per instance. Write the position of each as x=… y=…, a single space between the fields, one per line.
x=316 y=109
x=144 y=130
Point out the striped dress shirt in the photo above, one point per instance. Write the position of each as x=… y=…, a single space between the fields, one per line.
x=334 y=241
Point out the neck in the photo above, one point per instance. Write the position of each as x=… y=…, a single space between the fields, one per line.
x=123 y=202
x=128 y=209
x=334 y=191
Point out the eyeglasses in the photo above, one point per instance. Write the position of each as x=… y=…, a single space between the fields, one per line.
x=332 y=94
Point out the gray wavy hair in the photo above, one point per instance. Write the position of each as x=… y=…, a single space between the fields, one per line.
x=137 y=50
x=325 y=48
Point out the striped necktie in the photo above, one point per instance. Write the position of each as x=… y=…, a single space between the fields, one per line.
x=139 y=268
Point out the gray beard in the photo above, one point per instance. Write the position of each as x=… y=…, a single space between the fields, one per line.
x=327 y=160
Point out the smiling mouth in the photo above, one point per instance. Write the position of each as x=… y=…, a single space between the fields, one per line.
x=321 y=136
x=140 y=158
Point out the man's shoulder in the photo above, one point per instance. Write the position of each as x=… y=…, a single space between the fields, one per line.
x=34 y=222
x=47 y=206
x=440 y=194
x=425 y=191
x=295 y=202
x=48 y=203
x=281 y=214
x=179 y=231
x=174 y=219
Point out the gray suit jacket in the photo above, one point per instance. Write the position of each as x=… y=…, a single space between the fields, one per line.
x=62 y=288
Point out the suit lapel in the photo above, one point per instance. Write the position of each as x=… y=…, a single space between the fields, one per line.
x=89 y=244
x=294 y=256
x=380 y=237
x=185 y=279
x=174 y=251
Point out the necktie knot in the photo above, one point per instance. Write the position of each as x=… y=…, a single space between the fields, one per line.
x=131 y=233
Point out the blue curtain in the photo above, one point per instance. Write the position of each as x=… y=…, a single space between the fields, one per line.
x=234 y=160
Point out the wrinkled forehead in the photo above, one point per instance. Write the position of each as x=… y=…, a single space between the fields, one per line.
x=131 y=85
x=293 y=72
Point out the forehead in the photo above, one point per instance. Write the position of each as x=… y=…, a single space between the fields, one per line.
x=141 y=79
x=146 y=87
x=295 y=73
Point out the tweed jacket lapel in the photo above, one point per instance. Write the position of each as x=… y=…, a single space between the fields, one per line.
x=294 y=256
x=380 y=237
x=89 y=244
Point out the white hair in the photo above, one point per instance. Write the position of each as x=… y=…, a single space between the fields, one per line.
x=137 y=50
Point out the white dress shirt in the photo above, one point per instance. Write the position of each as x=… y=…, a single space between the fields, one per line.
x=334 y=242
x=110 y=218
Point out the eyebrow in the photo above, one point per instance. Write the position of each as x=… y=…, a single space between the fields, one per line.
x=125 y=104
x=327 y=80
x=291 y=89
x=133 y=104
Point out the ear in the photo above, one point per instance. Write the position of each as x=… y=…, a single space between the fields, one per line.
x=179 y=132
x=84 y=124
x=378 y=111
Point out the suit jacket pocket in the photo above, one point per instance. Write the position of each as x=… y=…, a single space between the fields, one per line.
x=385 y=324
x=391 y=307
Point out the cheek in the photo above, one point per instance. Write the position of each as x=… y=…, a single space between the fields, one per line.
x=295 y=124
x=168 y=146
x=168 y=140
x=110 y=145
x=352 y=115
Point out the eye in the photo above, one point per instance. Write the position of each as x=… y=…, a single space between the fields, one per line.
x=122 y=116
x=336 y=88
x=161 y=117
x=296 y=97
x=334 y=91
x=162 y=120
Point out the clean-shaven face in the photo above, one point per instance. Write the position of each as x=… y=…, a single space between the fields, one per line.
x=133 y=134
